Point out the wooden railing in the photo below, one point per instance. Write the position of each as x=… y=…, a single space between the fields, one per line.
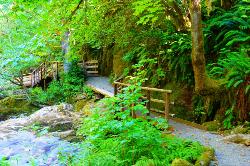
x=51 y=69
x=118 y=85
x=45 y=70
x=91 y=67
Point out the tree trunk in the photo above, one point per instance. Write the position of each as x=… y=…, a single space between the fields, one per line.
x=65 y=49
x=198 y=58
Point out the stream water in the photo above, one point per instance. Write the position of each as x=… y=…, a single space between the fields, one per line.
x=24 y=148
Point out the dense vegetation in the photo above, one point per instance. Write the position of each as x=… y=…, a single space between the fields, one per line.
x=199 y=49
x=158 y=34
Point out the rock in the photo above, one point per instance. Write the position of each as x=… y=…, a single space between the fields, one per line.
x=60 y=117
x=238 y=138
x=55 y=115
x=80 y=104
x=63 y=134
x=15 y=105
x=239 y=130
x=212 y=125
x=181 y=162
x=206 y=157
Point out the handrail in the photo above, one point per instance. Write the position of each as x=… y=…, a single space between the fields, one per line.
x=166 y=102
x=146 y=88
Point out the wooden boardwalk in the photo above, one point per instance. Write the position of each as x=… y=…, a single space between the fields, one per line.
x=52 y=69
x=101 y=85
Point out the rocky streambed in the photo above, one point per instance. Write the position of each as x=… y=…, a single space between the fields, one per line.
x=21 y=145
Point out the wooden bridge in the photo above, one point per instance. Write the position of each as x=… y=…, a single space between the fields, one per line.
x=98 y=84
x=51 y=70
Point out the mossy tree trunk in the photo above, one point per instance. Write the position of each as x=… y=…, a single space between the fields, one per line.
x=65 y=50
x=198 y=58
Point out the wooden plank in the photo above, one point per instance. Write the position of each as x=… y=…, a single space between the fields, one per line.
x=91 y=67
x=101 y=91
x=92 y=61
x=167 y=105
x=92 y=72
x=157 y=110
x=146 y=88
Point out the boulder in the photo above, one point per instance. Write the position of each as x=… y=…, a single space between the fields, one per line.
x=238 y=138
x=212 y=125
x=58 y=118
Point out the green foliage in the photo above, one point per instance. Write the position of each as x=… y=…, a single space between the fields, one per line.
x=227 y=123
x=38 y=128
x=88 y=92
x=114 y=137
x=235 y=69
x=4 y=162
x=228 y=30
x=69 y=85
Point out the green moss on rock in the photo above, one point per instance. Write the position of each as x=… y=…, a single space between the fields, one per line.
x=15 y=105
x=80 y=104
x=206 y=157
x=181 y=162
x=212 y=125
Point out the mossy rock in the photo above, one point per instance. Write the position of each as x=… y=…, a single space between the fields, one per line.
x=84 y=106
x=181 y=162
x=16 y=105
x=80 y=104
x=240 y=130
x=212 y=125
x=206 y=157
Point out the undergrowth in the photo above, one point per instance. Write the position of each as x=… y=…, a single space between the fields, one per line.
x=114 y=137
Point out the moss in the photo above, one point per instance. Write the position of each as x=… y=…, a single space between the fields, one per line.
x=80 y=104
x=84 y=106
x=240 y=130
x=118 y=64
x=15 y=105
x=212 y=125
x=206 y=157
x=181 y=162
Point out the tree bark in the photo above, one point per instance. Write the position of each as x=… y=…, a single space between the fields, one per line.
x=198 y=58
x=65 y=49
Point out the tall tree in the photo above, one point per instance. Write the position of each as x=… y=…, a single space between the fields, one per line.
x=198 y=58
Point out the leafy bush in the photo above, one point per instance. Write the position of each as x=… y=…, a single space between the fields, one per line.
x=4 y=162
x=114 y=137
x=69 y=85
x=234 y=71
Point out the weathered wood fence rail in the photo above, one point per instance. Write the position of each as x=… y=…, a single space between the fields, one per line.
x=45 y=70
x=118 y=85
x=52 y=69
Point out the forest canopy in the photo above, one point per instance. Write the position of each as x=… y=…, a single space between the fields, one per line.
x=203 y=46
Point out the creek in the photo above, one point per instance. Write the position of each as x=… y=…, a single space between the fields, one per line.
x=22 y=146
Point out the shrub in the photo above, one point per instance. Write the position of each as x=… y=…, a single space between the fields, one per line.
x=114 y=137
x=69 y=85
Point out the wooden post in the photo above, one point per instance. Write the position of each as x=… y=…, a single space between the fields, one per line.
x=31 y=79
x=57 y=71
x=133 y=112
x=34 y=79
x=115 y=89
x=148 y=103
x=167 y=105
x=41 y=73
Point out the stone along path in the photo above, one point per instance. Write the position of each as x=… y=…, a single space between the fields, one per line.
x=227 y=154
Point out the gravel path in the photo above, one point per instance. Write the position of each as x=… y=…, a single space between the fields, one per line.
x=227 y=154
x=101 y=84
